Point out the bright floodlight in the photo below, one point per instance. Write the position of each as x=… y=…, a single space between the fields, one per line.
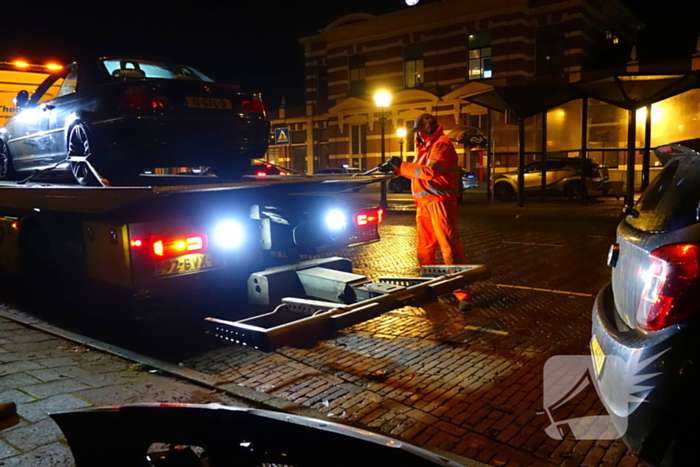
x=382 y=99
x=401 y=133
x=228 y=234
x=335 y=220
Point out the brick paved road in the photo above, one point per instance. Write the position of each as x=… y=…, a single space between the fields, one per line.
x=469 y=383
x=42 y=373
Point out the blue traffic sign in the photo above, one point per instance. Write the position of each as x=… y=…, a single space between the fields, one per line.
x=281 y=136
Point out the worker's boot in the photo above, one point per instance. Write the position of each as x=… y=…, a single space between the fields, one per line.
x=464 y=297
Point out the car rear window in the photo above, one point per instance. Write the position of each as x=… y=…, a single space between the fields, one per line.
x=671 y=200
x=128 y=68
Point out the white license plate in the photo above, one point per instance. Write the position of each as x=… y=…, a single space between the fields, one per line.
x=209 y=103
x=598 y=355
x=187 y=264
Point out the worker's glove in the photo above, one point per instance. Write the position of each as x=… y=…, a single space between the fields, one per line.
x=393 y=164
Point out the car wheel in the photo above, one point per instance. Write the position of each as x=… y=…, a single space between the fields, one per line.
x=396 y=185
x=7 y=169
x=503 y=191
x=79 y=151
x=574 y=191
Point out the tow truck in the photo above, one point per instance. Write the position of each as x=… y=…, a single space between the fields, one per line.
x=172 y=232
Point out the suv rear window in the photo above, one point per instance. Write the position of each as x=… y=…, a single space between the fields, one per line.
x=671 y=200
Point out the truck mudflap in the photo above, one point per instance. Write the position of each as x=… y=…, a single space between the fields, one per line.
x=298 y=320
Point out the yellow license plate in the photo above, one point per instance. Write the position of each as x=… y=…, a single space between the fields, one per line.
x=598 y=355
x=209 y=103
x=187 y=264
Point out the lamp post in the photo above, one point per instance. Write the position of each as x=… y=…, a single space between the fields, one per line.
x=383 y=100
x=401 y=133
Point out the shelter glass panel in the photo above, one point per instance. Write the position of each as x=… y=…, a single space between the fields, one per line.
x=674 y=119
x=564 y=127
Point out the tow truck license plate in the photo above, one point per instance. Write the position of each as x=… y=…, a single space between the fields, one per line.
x=209 y=103
x=187 y=264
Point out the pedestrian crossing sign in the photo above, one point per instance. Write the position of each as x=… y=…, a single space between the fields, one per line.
x=282 y=135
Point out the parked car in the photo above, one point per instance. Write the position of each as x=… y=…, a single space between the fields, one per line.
x=114 y=118
x=563 y=178
x=403 y=184
x=646 y=323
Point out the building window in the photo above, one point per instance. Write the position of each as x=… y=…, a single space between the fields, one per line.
x=550 y=49
x=298 y=137
x=358 y=139
x=480 y=55
x=322 y=83
x=413 y=66
x=357 y=75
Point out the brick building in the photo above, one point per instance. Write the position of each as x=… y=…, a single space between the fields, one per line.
x=429 y=57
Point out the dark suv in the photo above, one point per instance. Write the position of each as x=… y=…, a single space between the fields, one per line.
x=563 y=178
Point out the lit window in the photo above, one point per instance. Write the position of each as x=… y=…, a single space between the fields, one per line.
x=480 y=55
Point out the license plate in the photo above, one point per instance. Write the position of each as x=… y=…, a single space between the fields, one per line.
x=187 y=264
x=598 y=355
x=209 y=103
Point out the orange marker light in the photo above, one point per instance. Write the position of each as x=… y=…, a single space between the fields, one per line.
x=21 y=64
x=137 y=243
x=53 y=66
x=169 y=246
x=15 y=225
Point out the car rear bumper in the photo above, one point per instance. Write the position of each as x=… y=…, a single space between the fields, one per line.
x=642 y=378
x=171 y=142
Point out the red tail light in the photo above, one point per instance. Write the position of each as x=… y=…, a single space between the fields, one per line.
x=365 y=218
x=141 y=98
x=253 y=106
x=672 y=289
x=162 y=247
x=261 y=174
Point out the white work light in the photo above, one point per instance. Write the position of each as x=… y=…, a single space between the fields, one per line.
x=229 y=234
x=336 y=220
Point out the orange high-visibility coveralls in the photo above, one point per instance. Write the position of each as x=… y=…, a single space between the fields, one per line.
x=434 y=182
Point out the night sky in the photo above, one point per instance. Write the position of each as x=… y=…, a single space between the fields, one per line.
x=253 y=43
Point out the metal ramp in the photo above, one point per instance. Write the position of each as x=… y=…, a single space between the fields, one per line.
x=333 y=298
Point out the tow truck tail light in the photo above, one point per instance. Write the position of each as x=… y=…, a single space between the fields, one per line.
x=253 y=105
x=171 y=246
x=672 y=286
x=365 y=218
x=139 y=97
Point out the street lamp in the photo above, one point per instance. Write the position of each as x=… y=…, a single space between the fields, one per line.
x=401 y=133
x=383 y=100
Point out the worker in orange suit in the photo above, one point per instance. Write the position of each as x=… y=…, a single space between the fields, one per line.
x=435 y=178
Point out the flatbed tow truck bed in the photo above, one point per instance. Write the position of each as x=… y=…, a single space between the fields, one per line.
x=168 y=234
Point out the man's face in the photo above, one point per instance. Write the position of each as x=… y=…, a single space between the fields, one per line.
x=427 y=127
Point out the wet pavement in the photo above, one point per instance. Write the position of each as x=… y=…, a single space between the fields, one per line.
x=469 y=383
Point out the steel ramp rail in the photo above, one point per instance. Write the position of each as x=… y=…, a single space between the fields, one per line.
x=300 y=320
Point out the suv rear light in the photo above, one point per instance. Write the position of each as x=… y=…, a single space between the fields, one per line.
x=672 y=286
x=253 y=105
x=139 y=97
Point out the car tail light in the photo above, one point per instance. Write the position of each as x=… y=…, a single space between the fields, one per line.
x=253 y=105
x=162 y=247
x=365 y=218
x=139 y=97
x=672 y=286
x=261 y=174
